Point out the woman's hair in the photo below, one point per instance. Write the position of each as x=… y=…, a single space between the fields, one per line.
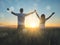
x=43 y=15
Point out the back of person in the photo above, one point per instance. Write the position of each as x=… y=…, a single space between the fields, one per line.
x=42 y=22
x=21 y=18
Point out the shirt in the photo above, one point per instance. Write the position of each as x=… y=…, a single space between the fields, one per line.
x=21 y=18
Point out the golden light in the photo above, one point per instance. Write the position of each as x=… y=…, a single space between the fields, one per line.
x=32 y=21
x=32 y=25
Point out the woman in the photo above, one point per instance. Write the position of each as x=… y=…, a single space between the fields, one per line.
x=43 y=20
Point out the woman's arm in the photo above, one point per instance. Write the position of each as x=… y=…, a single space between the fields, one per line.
x=37 y=15
x=50 y=15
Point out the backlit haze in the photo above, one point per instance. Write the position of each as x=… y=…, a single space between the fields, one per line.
x=42 y=6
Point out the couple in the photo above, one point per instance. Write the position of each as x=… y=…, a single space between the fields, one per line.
x=21 y=18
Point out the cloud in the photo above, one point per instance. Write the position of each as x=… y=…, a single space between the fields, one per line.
x=1 y=15
x=11 y=9
x=35 y=5
x=48 y=7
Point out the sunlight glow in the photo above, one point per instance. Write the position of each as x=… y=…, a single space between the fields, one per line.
x=32 y=25
x=31 y=21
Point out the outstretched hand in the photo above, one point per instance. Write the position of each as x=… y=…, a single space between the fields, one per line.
x=35 y=11
x=53 y=13
x=8 y=9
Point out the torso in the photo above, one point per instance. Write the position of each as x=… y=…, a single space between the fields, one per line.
x=42 y=24
x=21 y=18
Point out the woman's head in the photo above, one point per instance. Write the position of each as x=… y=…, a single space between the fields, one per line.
x=43 y=16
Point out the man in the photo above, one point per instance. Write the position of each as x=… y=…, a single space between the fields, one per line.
x=21 y=17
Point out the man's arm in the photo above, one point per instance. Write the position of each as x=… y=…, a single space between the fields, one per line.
x=12 y=12
x=30 y=13
x=50 y=16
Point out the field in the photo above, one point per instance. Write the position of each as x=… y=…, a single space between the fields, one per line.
x=10 y=36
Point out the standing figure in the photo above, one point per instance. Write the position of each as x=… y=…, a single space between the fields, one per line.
x=43 y=20
x=21 y=17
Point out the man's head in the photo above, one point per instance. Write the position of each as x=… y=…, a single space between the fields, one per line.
x=21 y=10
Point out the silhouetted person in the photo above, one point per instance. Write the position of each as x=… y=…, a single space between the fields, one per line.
x=21 y=17
x=43 y=20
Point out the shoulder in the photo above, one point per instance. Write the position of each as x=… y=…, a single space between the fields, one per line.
x=21 y=14
x=24 y=14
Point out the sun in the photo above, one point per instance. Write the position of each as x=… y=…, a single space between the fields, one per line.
x=31 y=21
x=32 y=25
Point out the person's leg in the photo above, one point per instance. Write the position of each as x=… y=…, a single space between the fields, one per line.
x=20 y=28
x=20 y=35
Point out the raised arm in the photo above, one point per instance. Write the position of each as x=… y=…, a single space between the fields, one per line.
x=50 y=15
x=30 y=13
x=37 y=15
x=12 y=12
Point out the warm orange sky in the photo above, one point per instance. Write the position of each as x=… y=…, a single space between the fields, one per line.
x=33 y=21
x=42 y=6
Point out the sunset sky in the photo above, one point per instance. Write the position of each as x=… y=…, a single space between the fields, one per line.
x=42 y=6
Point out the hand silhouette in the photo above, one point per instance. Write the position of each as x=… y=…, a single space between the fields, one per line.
x=53 y=13
x=34 y=10
x=7 y=8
